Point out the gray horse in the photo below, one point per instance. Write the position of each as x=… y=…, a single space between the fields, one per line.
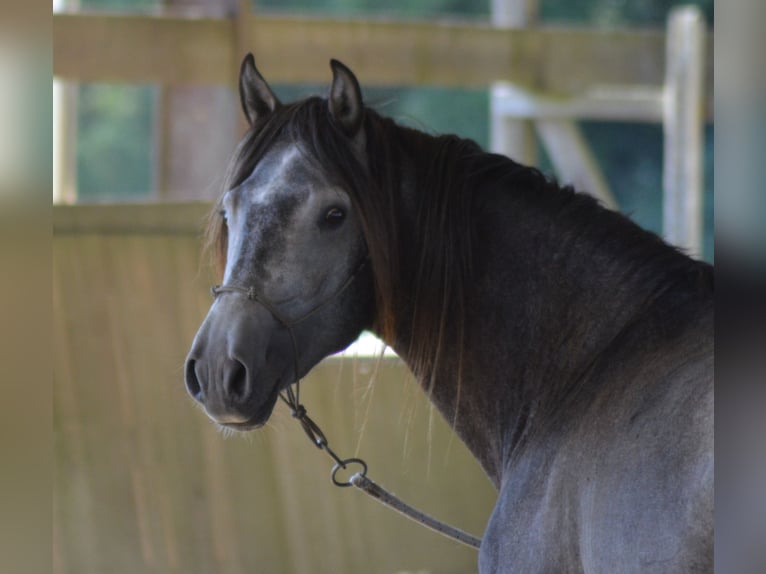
x=569 y=349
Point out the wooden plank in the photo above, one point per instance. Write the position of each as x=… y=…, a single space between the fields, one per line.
x=390 y=53
x=144 y=481
x=155 y=218
x=142 y=49
x=172 y=50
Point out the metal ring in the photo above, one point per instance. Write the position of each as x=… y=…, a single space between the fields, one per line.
x=343 y=464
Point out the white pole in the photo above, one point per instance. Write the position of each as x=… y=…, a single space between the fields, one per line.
x=684 y=133
x=514 y=138
x=58 y=108
x=64 y=182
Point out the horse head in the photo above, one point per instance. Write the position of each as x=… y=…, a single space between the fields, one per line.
x=296 y=286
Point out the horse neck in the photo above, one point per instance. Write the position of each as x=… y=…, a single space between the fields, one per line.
x=556 y=280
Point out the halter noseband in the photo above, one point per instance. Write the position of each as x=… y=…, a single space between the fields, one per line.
x=292 y=398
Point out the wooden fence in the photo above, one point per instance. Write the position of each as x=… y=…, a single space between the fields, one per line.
x=550 y=75
x=145 y=483
x=172 y=50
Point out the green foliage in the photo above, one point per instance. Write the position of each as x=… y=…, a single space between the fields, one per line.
x=396 y=8
x=613 y=13
x=114 y=142
x=441 y=111
x=597 y=13
x=590 y=12
x=121 y=5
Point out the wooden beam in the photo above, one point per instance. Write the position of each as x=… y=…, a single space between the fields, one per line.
x=142 y=219
x=142 y=49
x=616 y=103
x=173 y=50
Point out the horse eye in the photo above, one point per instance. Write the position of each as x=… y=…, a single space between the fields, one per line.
x=335 y=216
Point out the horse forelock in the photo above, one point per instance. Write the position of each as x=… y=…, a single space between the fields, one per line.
x=250 y=150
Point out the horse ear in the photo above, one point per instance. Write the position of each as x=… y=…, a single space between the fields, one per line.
x=254 y=93
x=345 y=102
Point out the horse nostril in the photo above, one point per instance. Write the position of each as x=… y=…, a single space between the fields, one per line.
x=192 y=382
x=235 y=380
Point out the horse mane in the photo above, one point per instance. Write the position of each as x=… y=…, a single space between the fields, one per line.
x=437 y=252
x=441 y=268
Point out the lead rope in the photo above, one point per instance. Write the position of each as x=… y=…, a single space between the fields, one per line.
x=293 y=400
x=360 y=479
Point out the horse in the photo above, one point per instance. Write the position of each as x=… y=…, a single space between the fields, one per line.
x=568 y=348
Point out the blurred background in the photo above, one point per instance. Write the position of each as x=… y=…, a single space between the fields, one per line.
x=128 y=141
x=612 y=95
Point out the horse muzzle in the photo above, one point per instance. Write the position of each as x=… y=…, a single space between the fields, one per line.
x=234 y=386
x=231 y=401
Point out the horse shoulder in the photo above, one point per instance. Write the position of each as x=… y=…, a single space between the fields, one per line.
x=627 y=484
x=646 y=491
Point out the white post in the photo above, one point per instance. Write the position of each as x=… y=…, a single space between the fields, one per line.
x=514 y=138
x=566 y=146
x=64 y=131
x=684 y=133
